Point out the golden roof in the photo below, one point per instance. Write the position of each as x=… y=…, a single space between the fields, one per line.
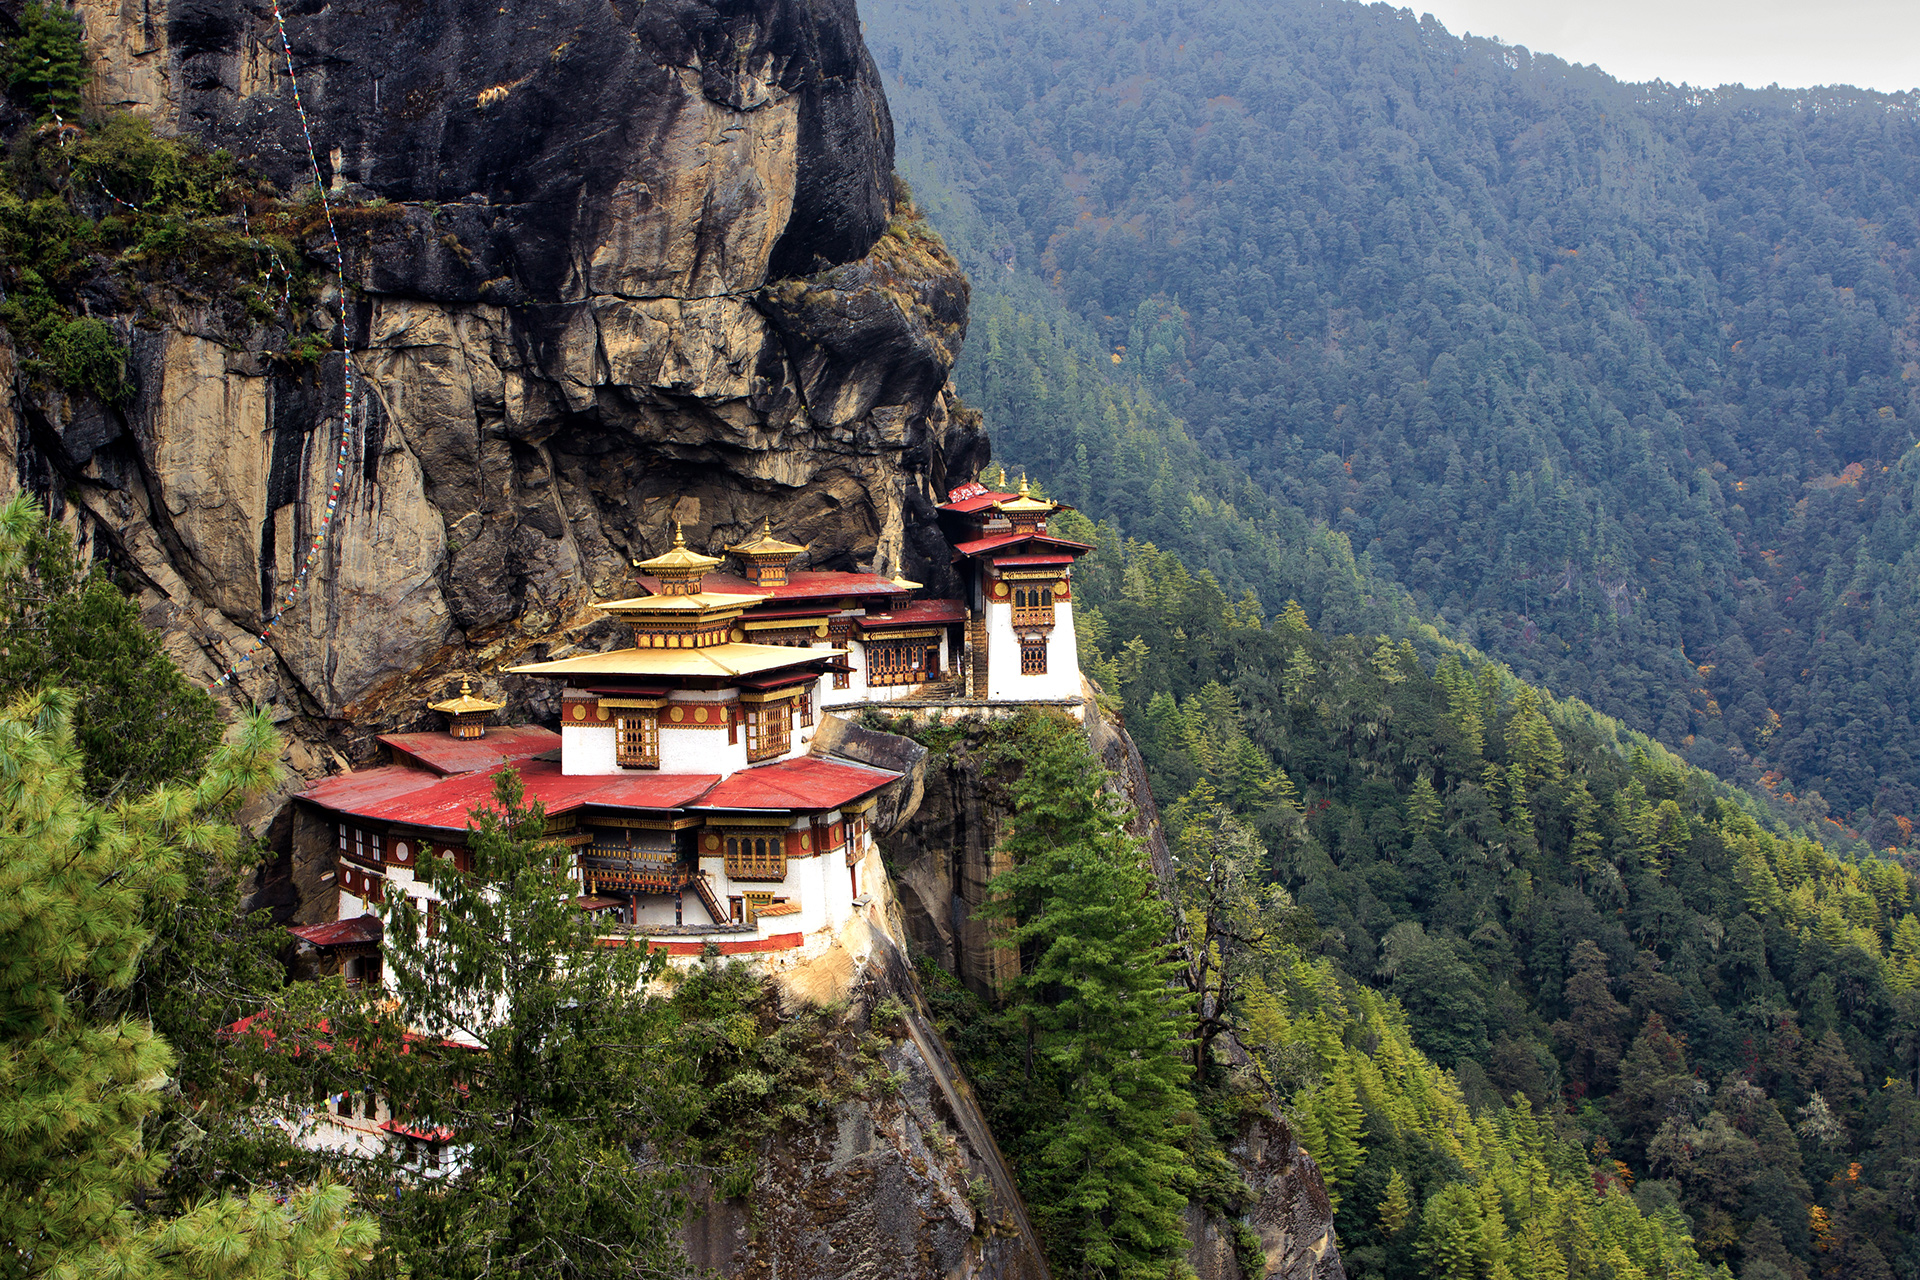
x=907 y=584
x=679 y=561
x=699 y=602
x=731 y=659
x=1025 y=502
x=466 y=704
x=766 y=545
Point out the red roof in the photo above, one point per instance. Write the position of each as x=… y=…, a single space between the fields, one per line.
x=978 y=502
x=415 y=798
x=444 y=754
x=340 y=933
x=810 y=584
x=438 y=1134
x=980 y=545
x=806 y=783
x=350 y=792
x=920 y=612
x=1017 y=562
x=263 y=1024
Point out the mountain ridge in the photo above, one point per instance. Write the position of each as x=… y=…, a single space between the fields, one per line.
x=1552 y=379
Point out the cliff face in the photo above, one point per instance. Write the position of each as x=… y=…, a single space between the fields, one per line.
x=901 y=1182
x=630 y=267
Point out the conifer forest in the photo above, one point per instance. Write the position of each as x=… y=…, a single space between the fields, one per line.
x=1505 y=481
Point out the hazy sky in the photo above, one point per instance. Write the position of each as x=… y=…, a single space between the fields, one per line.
x=1874 y=44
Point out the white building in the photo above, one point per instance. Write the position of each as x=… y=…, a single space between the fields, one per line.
x=683 y=774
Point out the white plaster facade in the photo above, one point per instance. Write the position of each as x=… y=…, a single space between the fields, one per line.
x=1005 y=682
x=859 y=693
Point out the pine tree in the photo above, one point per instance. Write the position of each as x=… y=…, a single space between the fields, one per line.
x=1583 y=812
x=1423 y=806
x=1095 y=1002
x=1397 y=1205
x=1302 y=676
x=1452 y=1235
x=77 y=1087
x=1340 y=1122
x=48 y=59
x=137 y=720
x=1594 y=1018
x=1387 y=663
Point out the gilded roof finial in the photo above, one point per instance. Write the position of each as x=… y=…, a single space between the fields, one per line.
x=465 y=704
x=679 y=535
x=1024 y=490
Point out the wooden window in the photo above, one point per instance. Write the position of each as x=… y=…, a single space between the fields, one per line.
x=769 y=730
x=754 y=900
x=636 y=740
x=896 y=662
x=1033 y=606
x=843 y=678
x=806 y=708
x=1033 y=658
x=757 y=856
x=377 y=846
x=343 y=837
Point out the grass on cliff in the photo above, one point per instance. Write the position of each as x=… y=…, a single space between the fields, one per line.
x=102 y=219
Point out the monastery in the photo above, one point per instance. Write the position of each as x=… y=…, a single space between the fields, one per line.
x=684 y=775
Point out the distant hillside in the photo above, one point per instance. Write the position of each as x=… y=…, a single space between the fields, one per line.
x=1619 y=381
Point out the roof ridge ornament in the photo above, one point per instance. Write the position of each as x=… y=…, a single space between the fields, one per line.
x=765 y=559
x=466 y=714
x=680 y=567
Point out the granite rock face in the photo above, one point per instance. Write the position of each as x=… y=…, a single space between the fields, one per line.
x=902 y=1183
x=611 y=265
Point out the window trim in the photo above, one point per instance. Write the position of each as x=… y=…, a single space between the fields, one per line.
x=640 y=731
x=769 y=729
x=765 y=855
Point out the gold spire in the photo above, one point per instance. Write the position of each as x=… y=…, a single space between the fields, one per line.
x=679 y=568
x=466 y=704
x=766 y=544
x=1026 y=503
x=764 y=561
x=466 y=714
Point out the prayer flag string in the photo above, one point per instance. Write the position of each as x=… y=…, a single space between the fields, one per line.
x=343 y=454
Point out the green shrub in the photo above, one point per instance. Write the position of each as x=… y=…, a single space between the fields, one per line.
x=86 y=356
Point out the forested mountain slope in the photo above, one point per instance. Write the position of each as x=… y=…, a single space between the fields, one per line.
x=1617 y=380
x=1637 y=983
